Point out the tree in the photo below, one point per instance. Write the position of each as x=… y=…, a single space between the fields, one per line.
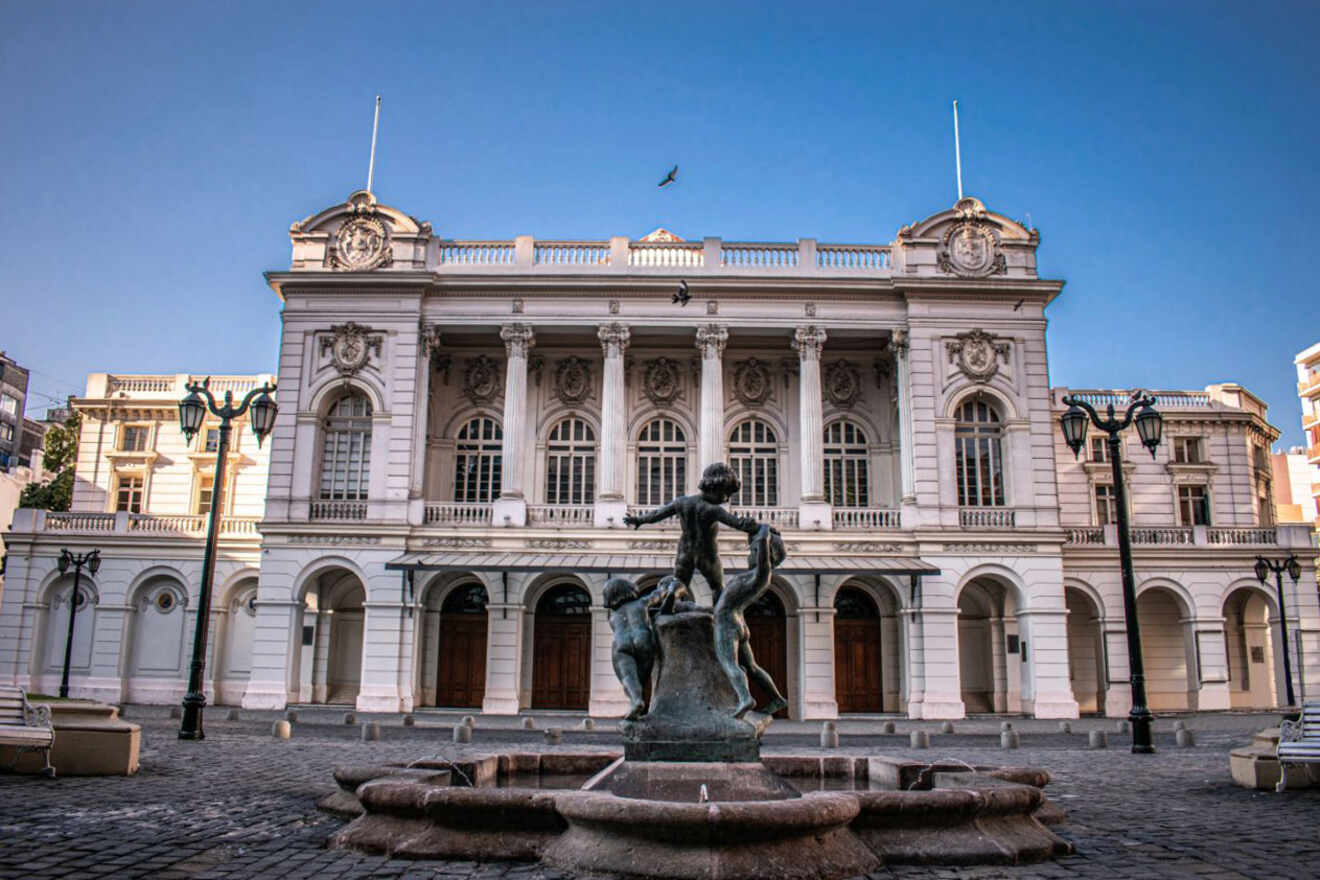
x=61 y=457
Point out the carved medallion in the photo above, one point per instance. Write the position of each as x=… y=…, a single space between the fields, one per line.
x=843 y=383
x=971 y=247
x=660 y=381
x=977 y=354
x=481 y=379
x=362 y=244
x=572 y=380
x=350 y=346
x=751 y=381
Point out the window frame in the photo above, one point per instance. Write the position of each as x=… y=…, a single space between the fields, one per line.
x=576 y=455
x=487 y=447
x=660 y=465
x=1205 y=505
x=844 y=462
x=356 y=470
x=756 y=462
x=117 y=495
x=147 y=434
x=978 y=482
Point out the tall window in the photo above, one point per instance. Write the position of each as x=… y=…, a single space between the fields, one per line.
x=133 y=438
x=846 y=483
x=1193 y=506
x=1187 y=450
x=128 y=494
x=754 y=457
x=8 y=404
x=346 y=450
x=661 y=463
x=1106 y=509
x=211 y=440
x=205 y=492
x=980 y=461
x=1099 y=449
x=477 y=460
x=570 y=468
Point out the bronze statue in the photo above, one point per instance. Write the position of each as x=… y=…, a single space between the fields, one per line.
x=634 y=648
x=733 y=644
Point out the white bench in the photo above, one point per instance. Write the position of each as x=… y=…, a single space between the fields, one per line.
x=1299 y=741
x=25 y=726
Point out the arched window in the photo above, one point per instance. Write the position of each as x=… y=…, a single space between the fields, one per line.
x=570 y=464
x=346 y=450
x=847 y=482
x=477 y=460
x=565 y=600
x=661 y=463
x=470 y=599
x=980 y=461
x=754 y=457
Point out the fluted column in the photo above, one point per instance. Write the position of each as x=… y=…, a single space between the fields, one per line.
x=903 y=373
x=711 y=339
x=813 y=510
x=510 y=509
x=610 y=504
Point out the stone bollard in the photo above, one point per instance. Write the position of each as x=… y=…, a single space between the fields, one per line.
x=469 y=721
x=1122 y=726
x=290 y=716
x=946 y=727
x=350 y=718
x=919 y=739
x=1098 y=739
x=889 y=727
x=1185 y=738
x=1179 y=725
x=231 y=715
x=1005 y=725
x=281 y=730
x=370 y=732
x=529 y=724
x=1065 y=727
x=462 y=733
x=176 y=712
x=588 y=724
x=1008 y=739
x=554 y=736
x=409 y=721
x=829 y=735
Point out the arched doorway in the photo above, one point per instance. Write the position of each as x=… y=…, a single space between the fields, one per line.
x=156 y=646
x=1164 y=649
x=234 y=664
x=343 y=675
x=1086 y=660
x=561 y=649
x=51 y=665
x=989 y=648
x=461 y=668
x=329 y=667
x=767 y=627
x=1249 y=638
x=858 y=659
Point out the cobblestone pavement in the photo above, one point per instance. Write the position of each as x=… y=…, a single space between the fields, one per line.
x=241 y=804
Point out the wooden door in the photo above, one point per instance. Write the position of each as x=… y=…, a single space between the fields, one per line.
x=561 y=650
x=461 y=677
x=768 y=635
x=858 y=685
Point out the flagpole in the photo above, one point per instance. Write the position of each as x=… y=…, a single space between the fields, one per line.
x=371 y=164
x=957 y=148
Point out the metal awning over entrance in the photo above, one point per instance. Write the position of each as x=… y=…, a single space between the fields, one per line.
x=640 y=563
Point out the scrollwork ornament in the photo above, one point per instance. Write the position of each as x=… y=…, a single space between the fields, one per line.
x=843 y=383
x=572 y=380
x=351 y=346
x=977 y=354
x=362 y=244
x=481 y=379
x=660 y=381
x=971 y=246
x=751 y=381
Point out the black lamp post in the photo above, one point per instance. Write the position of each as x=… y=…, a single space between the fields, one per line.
x=1150 y=426
x=192 y=412
x=1294 y=568
x=91 y=559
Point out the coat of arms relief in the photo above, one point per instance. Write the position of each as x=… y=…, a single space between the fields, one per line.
x=363 y=241
x=350 y=346
x=971 y=246
x=977 y=354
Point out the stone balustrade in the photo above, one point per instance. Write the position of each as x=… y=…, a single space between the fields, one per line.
x=986 y=518
x=457 y=513
x=866 y=518
x=185 y=525
x=1177 y=536
x=560 y=514
x=337 y=510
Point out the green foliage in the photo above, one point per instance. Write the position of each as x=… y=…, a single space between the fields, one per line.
x=56 y=494
x=61 y=457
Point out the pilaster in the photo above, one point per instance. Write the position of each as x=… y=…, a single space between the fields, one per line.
x=813 y=508
x=510 y=509
x=711 y=339
x=610 y=504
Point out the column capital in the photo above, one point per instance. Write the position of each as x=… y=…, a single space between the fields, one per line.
x=898 y=341
x=808 y=341
x=428 y=335
x=614 y=339
x=711 y=339
x=518 y=339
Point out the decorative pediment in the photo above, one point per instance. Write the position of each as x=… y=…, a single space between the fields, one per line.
x=967 y=241
x=361 y=235
x=661 y=235
x=977 y=354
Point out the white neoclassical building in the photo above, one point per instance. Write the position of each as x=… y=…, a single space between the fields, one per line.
x=464 y=425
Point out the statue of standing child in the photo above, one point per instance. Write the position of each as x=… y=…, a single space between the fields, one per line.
x=733 y=644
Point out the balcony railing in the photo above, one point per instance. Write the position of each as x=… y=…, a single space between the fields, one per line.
x=1176 y=536
x=986 y=518
x=181 y=525
x=1086 y=536
x=561 y=514
x=1167 y=535
x=457 y=514
x=338 y=510
x=1241 y=536
x=779 y=517
x=80 y=522
x=865 y=518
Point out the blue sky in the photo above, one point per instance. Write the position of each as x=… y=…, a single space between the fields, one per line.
x=154 y=155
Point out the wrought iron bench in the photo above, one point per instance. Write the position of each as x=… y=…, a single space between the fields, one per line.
x=1299 y=741
x=25 y=726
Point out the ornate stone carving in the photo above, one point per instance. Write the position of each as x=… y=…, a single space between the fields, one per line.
x=481 y=379
x=517 y=305
x=518 y=339
x=613 y=339
x=809 y=309
x=572 y=380
x=977 y=354
x=751 y=381
x=808 y=340
x=971 y=246
x=898 y=341
x=865 y=547
x=614 y=307
x=712 y=307
x=363 y=241
x=711 y=339
x=558 y=544
x=790 y=367
x=660 y=381
x=843 y=383
x=350 y=346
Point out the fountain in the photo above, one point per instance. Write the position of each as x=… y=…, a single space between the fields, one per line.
x=691 y=795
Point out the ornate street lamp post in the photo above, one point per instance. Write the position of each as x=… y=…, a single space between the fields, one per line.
x=91 y=559
x=1150 y=426
x=192 y=412
x=1294 y=568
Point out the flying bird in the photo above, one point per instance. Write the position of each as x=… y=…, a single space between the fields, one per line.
x=1019 y=304
x=670 y=177
x=682 y=297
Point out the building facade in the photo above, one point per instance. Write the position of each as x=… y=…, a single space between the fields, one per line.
x=13 y=403
x=464 y=425
x=1308 y=390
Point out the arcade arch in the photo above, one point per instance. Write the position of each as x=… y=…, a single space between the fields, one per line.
x=867 y=649
x=453 y=644
x=1086 y=657
x=1166 y=648
x=234 y=657
x=55 y=631
x=990 y=666
x=156 y=643
x=329 y=662
x=561 y=647
x=1251 y=637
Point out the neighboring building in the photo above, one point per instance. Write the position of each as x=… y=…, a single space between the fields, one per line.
x=464 y=425
x=1308 y=389
x=1294 y=495
x=13 y=401
x=141 y=495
